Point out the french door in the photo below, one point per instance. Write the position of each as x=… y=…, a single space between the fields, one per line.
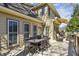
x=12 y=31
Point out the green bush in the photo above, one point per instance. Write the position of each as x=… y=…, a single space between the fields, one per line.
x=73 y=25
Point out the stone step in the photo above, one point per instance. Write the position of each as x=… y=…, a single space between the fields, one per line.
x=3 y=45
x=3 y=41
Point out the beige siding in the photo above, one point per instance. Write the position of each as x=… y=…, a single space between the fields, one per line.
x=4 y=32
x=2 y=24
x=39 y=31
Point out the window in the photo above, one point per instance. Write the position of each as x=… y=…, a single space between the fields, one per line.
x=48 y=11
x=34 y=30
x=43 y=9
x=12 y=31
x=26 y=31
x=40 y=12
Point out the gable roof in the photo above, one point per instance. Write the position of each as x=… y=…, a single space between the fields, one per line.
x=52 y=8
x=21 y=8
x=17 y=14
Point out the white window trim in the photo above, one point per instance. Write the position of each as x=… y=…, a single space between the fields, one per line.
x=8 y=32
x=29 y=29
x=33 y=30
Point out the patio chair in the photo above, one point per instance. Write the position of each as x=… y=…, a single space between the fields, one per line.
x=30 y=49
x=38 y=37
x=59 y=38
x=34 y=49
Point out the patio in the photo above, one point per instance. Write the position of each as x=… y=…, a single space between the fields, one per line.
x=56 y=49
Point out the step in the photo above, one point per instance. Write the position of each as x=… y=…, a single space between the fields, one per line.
x=3 y=43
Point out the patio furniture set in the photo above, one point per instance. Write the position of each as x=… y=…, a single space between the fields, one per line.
x=37 y=44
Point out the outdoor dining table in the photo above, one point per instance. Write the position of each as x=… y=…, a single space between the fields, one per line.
x=35 y=42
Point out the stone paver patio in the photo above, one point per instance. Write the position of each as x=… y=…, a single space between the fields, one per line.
x=56 y=49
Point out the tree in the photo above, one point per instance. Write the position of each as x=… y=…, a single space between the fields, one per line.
x=76 y=11
x=74 y=22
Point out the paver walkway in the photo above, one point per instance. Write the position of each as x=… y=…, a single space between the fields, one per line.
x=57 y=49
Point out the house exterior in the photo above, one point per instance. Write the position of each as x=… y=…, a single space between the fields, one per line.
x=20 y=21
x=48 y=14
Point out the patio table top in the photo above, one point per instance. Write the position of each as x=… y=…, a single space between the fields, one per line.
x=36 y=40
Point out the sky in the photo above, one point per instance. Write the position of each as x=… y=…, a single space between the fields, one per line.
x=64 y=9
